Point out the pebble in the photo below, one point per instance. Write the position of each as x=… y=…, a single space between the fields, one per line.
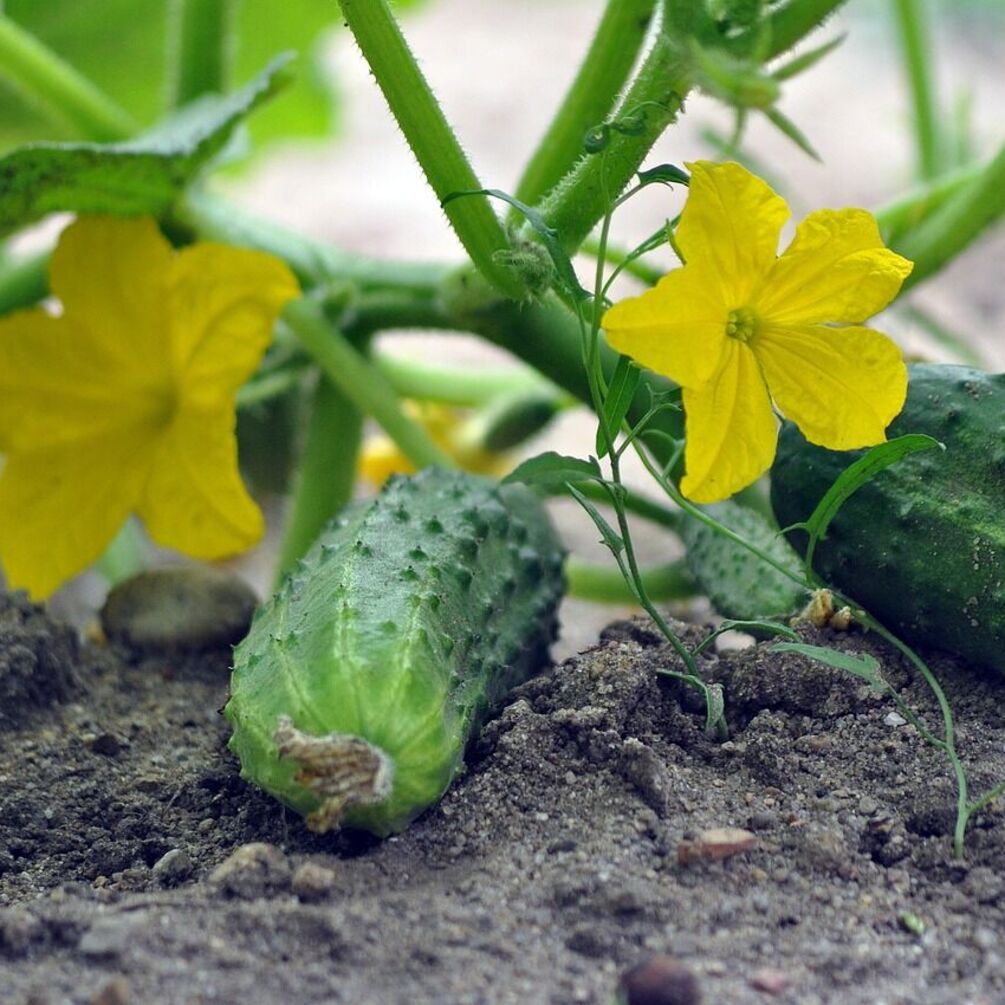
x=313 y=882
x=659 y=980
x=715 y=843
x=115 y=992
x=894 y=719
x=179 y=608
x=253 y=870
x=770 y=980
x=172 y=867
x=111 y=935
x=107 y=744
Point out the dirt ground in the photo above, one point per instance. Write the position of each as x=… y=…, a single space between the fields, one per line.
x=136 y=868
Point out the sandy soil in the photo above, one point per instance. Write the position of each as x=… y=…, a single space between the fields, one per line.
x=136 y=866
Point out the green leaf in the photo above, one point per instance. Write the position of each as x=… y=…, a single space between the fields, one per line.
x=860 y=665
x=123 y=46
x=553 y=469
x=855 y=476
x=739 y=584
x=614 y=541
x=144 y=175
x=664 y=174
x=758 y=627
x=620 y=395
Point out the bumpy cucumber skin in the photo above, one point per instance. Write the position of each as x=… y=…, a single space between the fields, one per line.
x=922 y=546
x=406 y=624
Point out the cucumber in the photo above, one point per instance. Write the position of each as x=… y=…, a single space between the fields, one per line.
x=359 y=684
x=921 y=546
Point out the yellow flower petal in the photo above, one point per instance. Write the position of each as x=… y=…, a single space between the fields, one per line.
x=841 y=386
x=677 y=328
x=223 y=304
x=731 y=224
x=730 y=427
x=380 y=458
x=112 y=273
x=835 y=270
x=60 y=507
x=194 y=499
x=57 y=384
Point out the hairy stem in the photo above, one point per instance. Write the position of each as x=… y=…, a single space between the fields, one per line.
x=431 y=138
x=580 y=201
x=591 y=97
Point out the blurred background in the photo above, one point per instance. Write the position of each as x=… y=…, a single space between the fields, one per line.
x=500 y=66
x=497 y=67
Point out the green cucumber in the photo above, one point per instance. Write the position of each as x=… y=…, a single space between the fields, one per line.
x=921 y=546
x=360 y=683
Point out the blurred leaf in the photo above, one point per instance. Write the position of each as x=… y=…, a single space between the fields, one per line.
x=620 y=395
x=860 y=665
x=144 y=175
x=553 y=469
x=123 y=45
x=614 y=541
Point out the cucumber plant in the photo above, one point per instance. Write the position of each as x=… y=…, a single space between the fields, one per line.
x=360 y=683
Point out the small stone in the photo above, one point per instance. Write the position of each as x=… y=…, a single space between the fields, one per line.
x=659 y=980
x=107 y=744
x=770 y=980
x=172 y=867
x=111 y=935
x=115 y=992
x=253 y=870
x=894 y=719
x=179 y=608
x=714 y=844
x=867 y=806
x=313 y=882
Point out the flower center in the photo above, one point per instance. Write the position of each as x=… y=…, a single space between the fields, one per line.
x=742 y=324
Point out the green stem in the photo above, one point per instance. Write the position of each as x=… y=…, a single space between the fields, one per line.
x=201 y=31
x=23 y=281
x=46 y=78
x=360 y=382
x=916 y=50
x=384 y=309
x=582 y=198
x=431 y=138
x=956 y=223
x=314 y=262
x=593 y=93
x=901 y=215
x=327 y=471
x=634 y=503
x=606 y=584
x=455 y=385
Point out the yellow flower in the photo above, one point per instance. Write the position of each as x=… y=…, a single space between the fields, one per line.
x=124 y=402
x=380 y=457
x=738 y=326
